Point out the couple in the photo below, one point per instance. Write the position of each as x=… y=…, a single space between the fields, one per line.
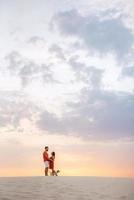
x=49 y=162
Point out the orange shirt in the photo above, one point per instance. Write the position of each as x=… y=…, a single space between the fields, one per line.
x=45 y=156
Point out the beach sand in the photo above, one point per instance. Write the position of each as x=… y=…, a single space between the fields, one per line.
x=66 y=188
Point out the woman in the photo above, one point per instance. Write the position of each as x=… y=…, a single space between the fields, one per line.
x=51 y=164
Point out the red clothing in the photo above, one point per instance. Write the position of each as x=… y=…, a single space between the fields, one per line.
x=45 y=156
x=51 y=163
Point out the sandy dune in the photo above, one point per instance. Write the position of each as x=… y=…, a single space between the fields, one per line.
x=66 y=188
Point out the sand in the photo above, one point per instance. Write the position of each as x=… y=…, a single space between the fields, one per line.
x=66 y=188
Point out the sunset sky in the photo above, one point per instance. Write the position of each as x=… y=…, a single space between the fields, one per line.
x=67 y=81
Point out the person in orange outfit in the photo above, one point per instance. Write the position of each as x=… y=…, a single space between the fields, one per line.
x=46 y=160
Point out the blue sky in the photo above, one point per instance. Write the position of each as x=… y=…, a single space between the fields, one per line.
x=67 y=70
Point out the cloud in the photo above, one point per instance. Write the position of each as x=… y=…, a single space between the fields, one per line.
x=95 y=112
x=101 y=34
x=36 y=40
x=65 y=125
x=112 y=113
x=57 y=50
x=27 y=70
x=15 y=107
x=98 y=115
x=128 y=72
x=87 y=74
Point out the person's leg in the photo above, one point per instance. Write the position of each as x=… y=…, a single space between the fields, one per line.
x=52 y=172
x=46 y=171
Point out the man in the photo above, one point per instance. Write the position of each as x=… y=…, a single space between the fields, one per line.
x=46 y=160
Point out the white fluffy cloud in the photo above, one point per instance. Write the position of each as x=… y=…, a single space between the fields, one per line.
x=68 y=73
x=97 y=32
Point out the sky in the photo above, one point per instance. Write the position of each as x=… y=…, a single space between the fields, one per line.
x=67 y=81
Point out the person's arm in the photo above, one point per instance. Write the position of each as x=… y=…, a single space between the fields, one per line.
x=50 y=159
x=47 y=158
